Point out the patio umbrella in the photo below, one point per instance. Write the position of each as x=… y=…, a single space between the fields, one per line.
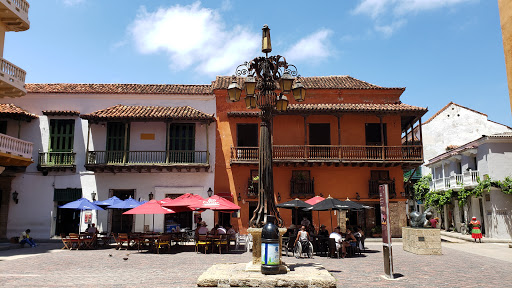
x=354 y=205
x=125 y=204
x=151 y=207
x=217 y=203
x=183 y=203
x=313 y=201
x=81 y=204
x=328 y=204
x=110 y=201
x=294 y=204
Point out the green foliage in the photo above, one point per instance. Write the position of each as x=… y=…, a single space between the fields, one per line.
x=505 y=185
x=483 y=186
x=422 y=187
x=437 y=199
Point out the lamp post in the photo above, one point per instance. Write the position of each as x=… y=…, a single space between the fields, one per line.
x=263 y=75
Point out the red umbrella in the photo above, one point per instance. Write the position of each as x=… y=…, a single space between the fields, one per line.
x=183 y=202
x=151 y=207
x=313 y=201
x=217 y=203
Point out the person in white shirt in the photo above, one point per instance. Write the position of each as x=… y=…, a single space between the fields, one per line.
x=201 y=229
x=337 y=237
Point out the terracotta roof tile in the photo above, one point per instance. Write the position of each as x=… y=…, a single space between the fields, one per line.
x=320 y=82
x=12 y=111
x=73 y=88
x=148 y=113
x=342 y=107
x=61 y=112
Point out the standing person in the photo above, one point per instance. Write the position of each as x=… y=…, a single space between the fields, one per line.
x=476 y=233
x=25 y=238
x=305 y=222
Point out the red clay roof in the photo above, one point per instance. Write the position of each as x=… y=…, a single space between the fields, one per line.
x=61 y=112
x=72 y=88
x=342 y=107
x=321 y=82
x=148 y=113
x=12 y=111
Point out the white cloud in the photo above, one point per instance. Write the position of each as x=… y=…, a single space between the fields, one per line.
x=226 y=5
x=72 y=2
x=193 y=36
x=398 y=10
x=388 y=30
x=313 y=48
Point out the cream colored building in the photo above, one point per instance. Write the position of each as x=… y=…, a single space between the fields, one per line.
x=505 y=7
x=15 y=153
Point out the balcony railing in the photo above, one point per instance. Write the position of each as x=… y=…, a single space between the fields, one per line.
x=15 y=146
x=331 y=153
x=15 y=14
x=146 y=157
x=302 y=188
x=374 y=188
x=56 y=159
x=466 y=180
x=12 y=76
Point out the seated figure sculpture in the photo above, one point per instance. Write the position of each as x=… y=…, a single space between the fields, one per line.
x=418 y=220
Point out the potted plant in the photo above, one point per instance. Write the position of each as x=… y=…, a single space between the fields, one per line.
x=377 y=231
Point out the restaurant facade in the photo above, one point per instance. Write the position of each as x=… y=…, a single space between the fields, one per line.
x=343 y=141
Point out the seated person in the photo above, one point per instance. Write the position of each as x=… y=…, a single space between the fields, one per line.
x=323 y=232
x=231 y=232
x=303 y=237
x=220 y=230
x=92 y=229
x=350 y=240
x=25 y=238
x=201 y=229
x=337 y=238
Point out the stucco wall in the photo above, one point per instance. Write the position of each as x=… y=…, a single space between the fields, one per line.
x=498 y=215
x=455 y=126
x=36 y=209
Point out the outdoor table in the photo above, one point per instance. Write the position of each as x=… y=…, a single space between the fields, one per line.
x=151 y=239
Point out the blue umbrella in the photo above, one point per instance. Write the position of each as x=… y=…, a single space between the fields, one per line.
x=81 y=204
x=125 y=204
x=110 y=201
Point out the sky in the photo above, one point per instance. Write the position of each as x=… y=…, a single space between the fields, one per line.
x=440 y=50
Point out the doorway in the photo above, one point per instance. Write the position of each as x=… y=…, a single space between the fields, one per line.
x=183 y=219
x=319 y=134
x=121 y=223
x=67 y=220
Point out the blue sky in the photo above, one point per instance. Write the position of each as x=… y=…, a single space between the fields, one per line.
x=440 y=50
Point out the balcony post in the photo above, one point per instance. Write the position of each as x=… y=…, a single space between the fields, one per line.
x=167 y=141
x=382 y=137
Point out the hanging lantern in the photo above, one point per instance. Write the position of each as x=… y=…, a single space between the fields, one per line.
x=250 y=85
x=266 y=46
x=281 y=103
x=286 y=82
x=250 y=102
x=299 y=92
x=234 y=91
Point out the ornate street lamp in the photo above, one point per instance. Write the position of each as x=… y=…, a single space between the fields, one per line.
x=261 y=89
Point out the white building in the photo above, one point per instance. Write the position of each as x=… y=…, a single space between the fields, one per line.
x=103 y=140
x=452 y=126
x=487 y=156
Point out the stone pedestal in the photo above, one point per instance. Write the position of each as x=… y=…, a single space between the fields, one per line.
x=422 y=241
x=255 y=265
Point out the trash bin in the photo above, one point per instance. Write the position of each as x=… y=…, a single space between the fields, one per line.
x=270 y=247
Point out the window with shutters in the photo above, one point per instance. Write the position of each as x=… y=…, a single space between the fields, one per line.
x=62 y=136
x=182 y=140
x=116 y=135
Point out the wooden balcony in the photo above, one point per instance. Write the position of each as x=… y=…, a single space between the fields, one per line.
x=146 y=161
x=12 y=80
x=15 y=152
x=56 y=161
x=334 y=155
x=14 y=15
x=373 y=191
x=302 y=188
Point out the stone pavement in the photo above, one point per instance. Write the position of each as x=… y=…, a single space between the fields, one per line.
x=461 y=265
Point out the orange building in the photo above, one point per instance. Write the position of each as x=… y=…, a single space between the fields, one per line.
x=343 y=141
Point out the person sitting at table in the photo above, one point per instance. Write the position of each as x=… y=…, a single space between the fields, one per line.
x=323 y=232
x=350 y=240
x=92 y=229
x=311 y=229
x=87 y=229
x=337 y=239
x=201 y=229
x=231 y=232
x=221 y=230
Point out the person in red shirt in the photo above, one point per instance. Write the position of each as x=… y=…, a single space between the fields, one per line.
x=433 y=222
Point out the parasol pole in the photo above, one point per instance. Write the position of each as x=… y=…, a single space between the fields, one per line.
x=153 y=228
x=330 y=216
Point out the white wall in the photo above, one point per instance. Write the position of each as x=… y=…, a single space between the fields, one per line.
x=36 y=207
x=498 y=215
x=455 y=126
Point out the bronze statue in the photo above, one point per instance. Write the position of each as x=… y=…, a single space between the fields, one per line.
x=418 y=220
